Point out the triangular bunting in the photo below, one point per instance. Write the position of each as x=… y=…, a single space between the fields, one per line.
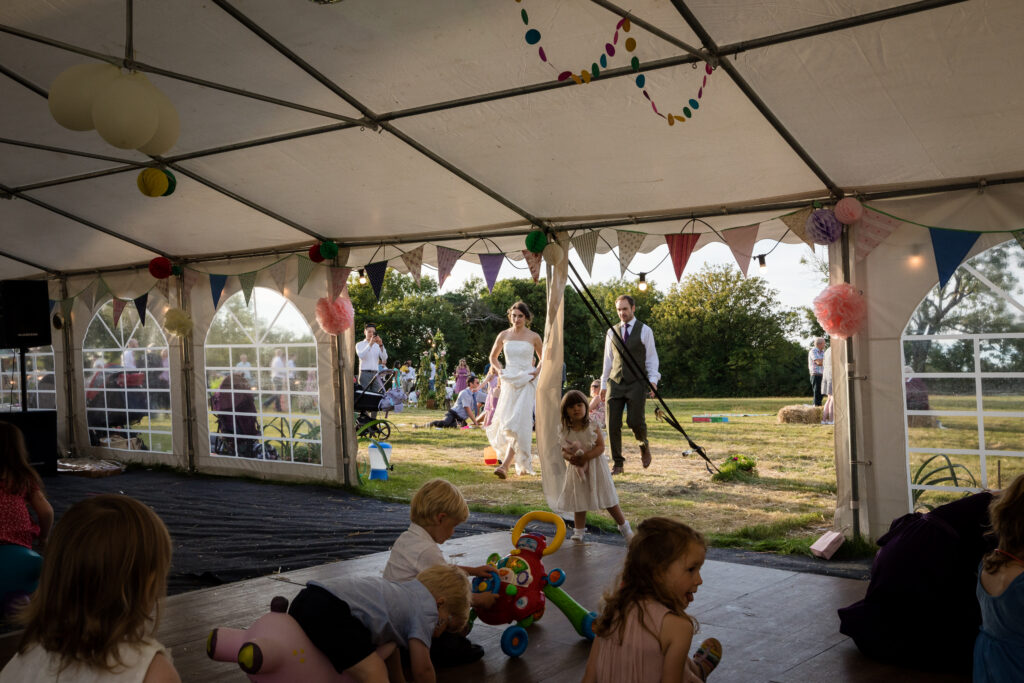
x=88 y=294
x=118 y=310
x=278 y=273
x=52 y=304
x=339 y=280
x=950 y=247
x=99 y=294
x=871 y=230
x=629 y=244
x=797 y=224
x=189 y=278
x=163 y=285
x=375 y=273
x=217 y=283
x=66 y=305
x=491 y=263
x=679 y=248
x=140 y=306
x=247 y=281
x=741 y=241
x=586 y=247
x=533 y=262
x=305 y=270
x=1019 y=236
x=446 y=259
x=413 y=260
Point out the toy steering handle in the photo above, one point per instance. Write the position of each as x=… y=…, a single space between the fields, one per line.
x=541 y=516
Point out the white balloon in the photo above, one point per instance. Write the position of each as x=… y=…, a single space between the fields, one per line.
x=553 y=254
x=125 y=112
x=73 y=90
x=168 y=126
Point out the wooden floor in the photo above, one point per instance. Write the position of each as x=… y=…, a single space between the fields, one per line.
x=774 y=625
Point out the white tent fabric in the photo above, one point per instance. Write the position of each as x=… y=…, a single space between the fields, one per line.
x=389 y=124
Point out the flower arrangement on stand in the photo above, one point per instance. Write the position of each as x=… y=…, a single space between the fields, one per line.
x=440 y=349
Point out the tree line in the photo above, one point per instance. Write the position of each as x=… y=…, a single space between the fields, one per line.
x=717 y=333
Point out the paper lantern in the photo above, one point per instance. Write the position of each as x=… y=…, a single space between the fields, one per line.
x=152 y=182
x=160 y=268
x=848 y=210
x=177 y=270
x=823 y=227
x=314 y=253
x=553 y=254
x=125 y=112
x=334 y=316
x=178 y=322
x=172 y=182
x=168 y=125
x=840 y=310
x=536 y=240
x=328 y=249
x=73 y=91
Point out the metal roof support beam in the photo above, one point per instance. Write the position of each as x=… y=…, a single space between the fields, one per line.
x=9 y=255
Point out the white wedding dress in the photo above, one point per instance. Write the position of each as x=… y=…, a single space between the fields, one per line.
x=512 y=424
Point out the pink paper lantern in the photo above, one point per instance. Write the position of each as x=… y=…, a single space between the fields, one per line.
x=848 y=210
x=823 y=227
x=335 y=316
x=840 y=310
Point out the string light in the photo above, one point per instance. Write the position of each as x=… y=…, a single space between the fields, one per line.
x=642 y=285
x=362 y=276
x=915 y=260
x=761 y=265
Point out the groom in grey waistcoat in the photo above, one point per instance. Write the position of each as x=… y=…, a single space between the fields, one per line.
x=621 y=387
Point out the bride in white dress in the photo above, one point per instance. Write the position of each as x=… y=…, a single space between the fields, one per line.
x=511 y=428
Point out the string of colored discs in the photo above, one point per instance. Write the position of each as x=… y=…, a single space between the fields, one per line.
x=586 y=75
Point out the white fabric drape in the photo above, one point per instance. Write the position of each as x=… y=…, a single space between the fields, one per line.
x=549 y=384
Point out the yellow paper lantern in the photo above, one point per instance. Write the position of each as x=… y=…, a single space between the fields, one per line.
x=125 y=112
x=73 y=91
x=153 y=182
x=553 y=254
x=168 y=125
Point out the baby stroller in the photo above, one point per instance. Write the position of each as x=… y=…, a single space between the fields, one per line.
x=368 y=403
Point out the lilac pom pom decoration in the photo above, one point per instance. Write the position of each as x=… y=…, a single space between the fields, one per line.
x=840 y=310
x=334 y=316
x=848 y=210
x=823 y=227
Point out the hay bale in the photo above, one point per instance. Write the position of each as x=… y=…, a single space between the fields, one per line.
x=799 y=414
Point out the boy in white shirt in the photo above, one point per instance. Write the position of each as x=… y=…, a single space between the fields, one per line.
x=436 y=509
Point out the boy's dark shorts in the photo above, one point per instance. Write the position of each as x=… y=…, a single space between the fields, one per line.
x=328 y=623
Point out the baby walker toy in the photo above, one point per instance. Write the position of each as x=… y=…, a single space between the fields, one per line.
x=522 y=585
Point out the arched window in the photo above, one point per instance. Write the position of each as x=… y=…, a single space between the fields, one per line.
x=127 y=382
x=42 y=391
x=261 y=381
x=963 y=380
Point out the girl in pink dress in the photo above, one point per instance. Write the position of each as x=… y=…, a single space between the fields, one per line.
x=461 y=377
x=596 y=403
x=493 y=387
x=644 y=633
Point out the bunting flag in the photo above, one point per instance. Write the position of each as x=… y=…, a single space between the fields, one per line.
x=66 y=305
x=679 y=248
x=87 y=294
x=305 y=270
x=413 y=260
x=586 y=247
x=446 y=259
x=491 y=263
x=375 y=272
x=140 y=306
x=118 y=310
x=950 y=247
x=797 y=223
x=741 y=242
x=278 y=273
x=52 y=304
x=871 y=230
x=1019 y=236
x=189 y=279
x=99 y=294
x=247 y=281
x=163 y=285
x=217 y=283
x=533 y=261
x=339 y=281
x=629 y=244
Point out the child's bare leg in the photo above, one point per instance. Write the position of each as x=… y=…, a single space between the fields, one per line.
x=370 y=669
x=502 y=470
x=616 y=512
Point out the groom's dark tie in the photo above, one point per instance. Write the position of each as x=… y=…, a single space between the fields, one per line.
x=625 y=332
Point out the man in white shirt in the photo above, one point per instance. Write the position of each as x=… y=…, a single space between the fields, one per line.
x=371 y=354
x=244 y=366
x=465 y=408
x=621 y=386
x=279 y=376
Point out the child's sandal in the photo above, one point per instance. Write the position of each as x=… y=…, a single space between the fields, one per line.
x=500 y=472
x=707 y=656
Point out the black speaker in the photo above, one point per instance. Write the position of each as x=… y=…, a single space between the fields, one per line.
x=24 y=314
x=40 y=430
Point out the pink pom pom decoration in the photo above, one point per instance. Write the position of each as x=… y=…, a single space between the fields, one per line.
x=848 y=210
x=840 y=310
x=823 y=227
x=335 y=316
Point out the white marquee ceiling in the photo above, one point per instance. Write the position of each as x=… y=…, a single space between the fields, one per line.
x=467 y=132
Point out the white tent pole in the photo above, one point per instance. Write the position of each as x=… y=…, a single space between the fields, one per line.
x=851 y=401
x=187 y=373
x=67 y=340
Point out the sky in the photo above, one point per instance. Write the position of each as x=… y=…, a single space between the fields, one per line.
x=797 y=284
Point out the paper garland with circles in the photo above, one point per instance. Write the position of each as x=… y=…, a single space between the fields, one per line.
x=687 y=112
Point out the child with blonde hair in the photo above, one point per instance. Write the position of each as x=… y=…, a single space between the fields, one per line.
x=436 y=509
x=20 y=489
x=588 y=481
x=999 y=649
x=96 y=613
x=643 y=633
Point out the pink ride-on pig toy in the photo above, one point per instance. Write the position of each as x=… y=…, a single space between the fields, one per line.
x=275 y=649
